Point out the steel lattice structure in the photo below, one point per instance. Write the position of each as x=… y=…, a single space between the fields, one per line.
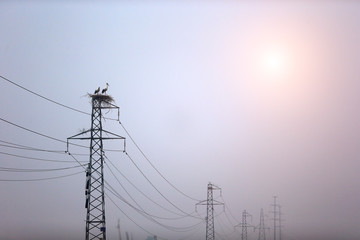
x=275 y=219
x=244 y=225
x=262 y=227
x=94 y=187
x=94 y=191
x=210 y=202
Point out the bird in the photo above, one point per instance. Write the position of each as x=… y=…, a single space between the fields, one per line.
x=105 y=89
x=97 y=90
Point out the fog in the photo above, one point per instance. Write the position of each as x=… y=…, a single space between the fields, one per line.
x=196 y=98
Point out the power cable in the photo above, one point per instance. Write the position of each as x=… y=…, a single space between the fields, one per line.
x=37 y=159
x=48 y=99
x=6 y=169
x=152 y=165
x=149 y=216
x=71 y=155
x=187 y=214
x=139 y=206
x=53 y=138
x=222 y=225
x=145 y=195
x=32 y=131
x=38 y=179
x=19 y=146
x=226 y=206
x=191 y=235
x=148 y=232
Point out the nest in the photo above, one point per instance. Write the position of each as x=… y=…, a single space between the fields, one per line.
x=106 y=100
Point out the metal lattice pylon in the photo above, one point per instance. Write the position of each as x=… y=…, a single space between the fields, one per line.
x=244 y=225
x=276 y=218
x=210 y=202
x=261 y=226
x=94 y=187
x=94 y=191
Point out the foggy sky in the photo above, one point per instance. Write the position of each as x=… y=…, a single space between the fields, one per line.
x=193 y=95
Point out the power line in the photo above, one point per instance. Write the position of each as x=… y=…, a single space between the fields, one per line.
x=32 y=131
x=32 y=149
x=48 y=99
x=37 y=159
x=152 y=165
x=187 y=214
x=150 y=216
x=6 y=169
x=52 y=138
x=27 y=148
x=71 y=155
x=145 y=195
x=113 y=191
x=38 y=179
x=40 y=134
x=226 y=207
x=126 y=215
x=191 y=235
x=222 y=226
x=134 y=199
x=140 y=208
x=24 y=147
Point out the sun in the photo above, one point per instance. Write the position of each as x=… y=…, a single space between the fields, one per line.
x=274 y=63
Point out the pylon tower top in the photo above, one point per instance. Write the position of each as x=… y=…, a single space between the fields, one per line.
x=210 y=202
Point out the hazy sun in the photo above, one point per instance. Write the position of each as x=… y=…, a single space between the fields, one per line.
x=274 y=63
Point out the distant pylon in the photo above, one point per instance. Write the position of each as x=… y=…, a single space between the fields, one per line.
x=244 y=225
x=261 y=227
x=280 y=223
x=210 y=202
x=275 y=219
x=94 y=187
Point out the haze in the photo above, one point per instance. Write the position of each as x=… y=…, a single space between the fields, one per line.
x=195 y=95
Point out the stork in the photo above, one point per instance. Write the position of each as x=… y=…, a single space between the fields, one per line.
x=97 y=90
x=105 y=89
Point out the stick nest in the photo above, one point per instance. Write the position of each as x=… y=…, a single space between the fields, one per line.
x=105 y=99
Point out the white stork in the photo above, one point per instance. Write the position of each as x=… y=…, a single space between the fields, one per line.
x=97 y=90
x=105 y=89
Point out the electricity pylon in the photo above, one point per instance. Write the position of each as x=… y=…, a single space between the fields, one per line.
x=210 y=202
x=280 y=223
x=275 y=219
x=244 y=225
x=94 y=187
x=261 y=227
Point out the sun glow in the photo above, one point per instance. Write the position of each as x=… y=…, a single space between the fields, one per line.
x=274 y=63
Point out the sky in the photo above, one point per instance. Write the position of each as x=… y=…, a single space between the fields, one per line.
x=259 y=98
